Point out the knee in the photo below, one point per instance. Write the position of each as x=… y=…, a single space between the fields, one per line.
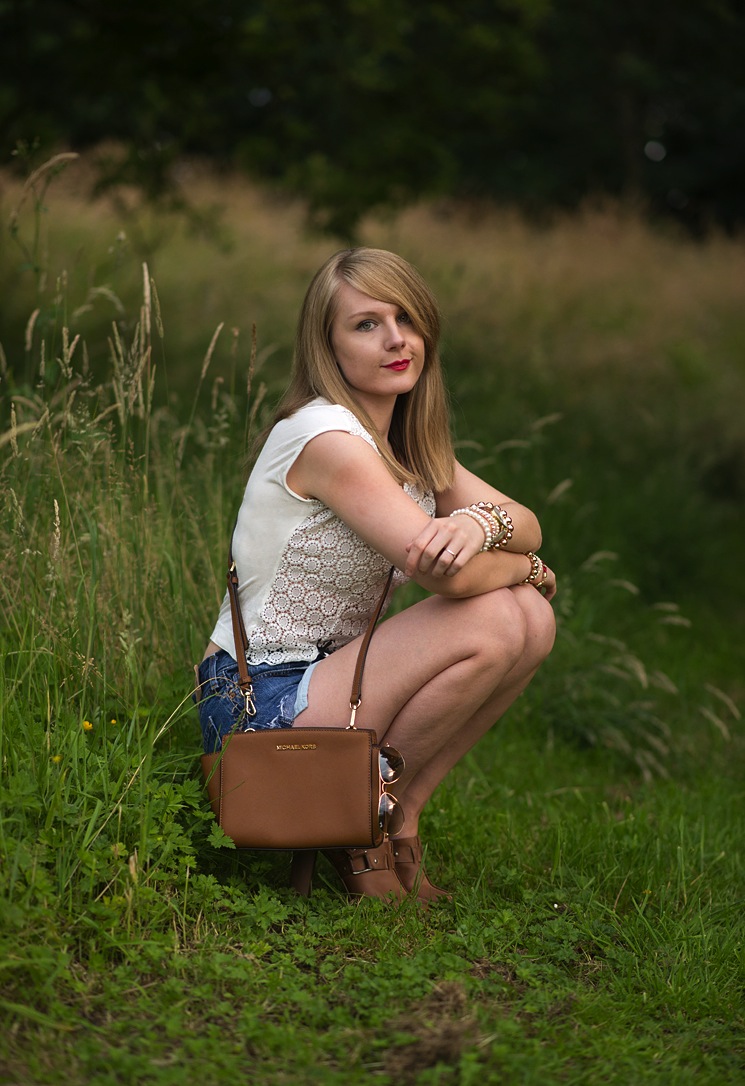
x=540 y=623
x=500 y=627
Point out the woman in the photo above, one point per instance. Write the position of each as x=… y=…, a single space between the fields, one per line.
x=358 y=474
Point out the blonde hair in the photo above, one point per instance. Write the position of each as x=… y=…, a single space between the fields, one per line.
x=420 y=431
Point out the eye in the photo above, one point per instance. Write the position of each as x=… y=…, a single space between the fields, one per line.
x=365 y=326
x=403 y=318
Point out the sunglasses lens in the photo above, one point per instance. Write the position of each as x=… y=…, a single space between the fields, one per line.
x=390 y=814
x=391 y=764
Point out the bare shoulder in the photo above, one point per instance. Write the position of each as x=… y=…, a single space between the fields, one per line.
x=334 y=459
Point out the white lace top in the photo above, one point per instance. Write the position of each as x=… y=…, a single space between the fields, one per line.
x=306 y=579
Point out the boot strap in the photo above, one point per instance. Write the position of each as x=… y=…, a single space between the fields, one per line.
x=405 y=854
x=361 y=861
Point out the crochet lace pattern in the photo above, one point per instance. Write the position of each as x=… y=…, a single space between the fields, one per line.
x=327 y=583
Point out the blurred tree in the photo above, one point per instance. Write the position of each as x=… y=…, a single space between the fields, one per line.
x=380 y=105
x=643 y=101
x=149 y=75
x=363 y=103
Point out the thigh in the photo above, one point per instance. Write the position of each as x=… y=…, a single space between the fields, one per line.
x=408 y=651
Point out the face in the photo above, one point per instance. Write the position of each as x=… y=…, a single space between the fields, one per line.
x=376 y=348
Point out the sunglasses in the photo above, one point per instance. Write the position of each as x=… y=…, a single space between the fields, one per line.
x=391 y=765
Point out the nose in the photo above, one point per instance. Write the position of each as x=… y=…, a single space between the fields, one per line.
x=396 y=337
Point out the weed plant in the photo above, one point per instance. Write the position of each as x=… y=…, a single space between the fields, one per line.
x=592 y=840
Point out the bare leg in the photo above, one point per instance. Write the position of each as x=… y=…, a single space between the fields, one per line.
x=415 y=795
x=437 y=677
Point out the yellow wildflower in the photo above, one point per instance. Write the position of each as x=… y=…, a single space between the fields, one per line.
x=56 y=758
x=113 y=720
x=87 y=726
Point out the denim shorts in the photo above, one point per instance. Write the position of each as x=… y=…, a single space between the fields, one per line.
x=280 y=692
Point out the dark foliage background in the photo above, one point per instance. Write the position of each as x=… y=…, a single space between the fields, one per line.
x=368 y=103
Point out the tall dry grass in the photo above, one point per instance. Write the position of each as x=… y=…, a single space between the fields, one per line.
x=598 y=295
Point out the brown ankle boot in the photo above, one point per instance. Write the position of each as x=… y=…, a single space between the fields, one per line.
x=367 y=872
x=407 y=858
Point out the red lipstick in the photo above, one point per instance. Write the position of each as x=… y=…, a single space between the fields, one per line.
x=399 y=365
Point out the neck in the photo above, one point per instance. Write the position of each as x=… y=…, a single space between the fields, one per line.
x=380 y=411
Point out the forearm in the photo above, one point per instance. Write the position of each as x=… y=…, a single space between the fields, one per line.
x=468 y=489
x=483 y=573
x=441 y=553
x=507 y=525
x=526 y=530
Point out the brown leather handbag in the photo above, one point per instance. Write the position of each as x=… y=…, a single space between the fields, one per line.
x=300 y=789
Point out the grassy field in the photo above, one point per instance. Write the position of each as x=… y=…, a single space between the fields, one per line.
x=592 y=841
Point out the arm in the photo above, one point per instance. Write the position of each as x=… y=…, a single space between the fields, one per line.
x=348 y=476
x=438 y=552
x=468 y=488
x=427 y=550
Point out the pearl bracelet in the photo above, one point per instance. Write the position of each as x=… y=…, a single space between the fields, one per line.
x=495 y=521
x=483 y=520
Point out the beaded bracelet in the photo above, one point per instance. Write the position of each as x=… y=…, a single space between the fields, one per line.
x=537 y=569
x=483 y=520
x=503 y=519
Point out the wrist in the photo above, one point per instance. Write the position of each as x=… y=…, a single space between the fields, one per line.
x=501 y=521
x=495 y=523
x=484 y=522
x=538 y=572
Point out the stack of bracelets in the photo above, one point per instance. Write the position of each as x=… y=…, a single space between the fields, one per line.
x=496 y=523
x=498 y=528
x=538 y=571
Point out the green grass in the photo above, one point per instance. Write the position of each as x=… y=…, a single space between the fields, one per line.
x=592 y=841
x=596 y=931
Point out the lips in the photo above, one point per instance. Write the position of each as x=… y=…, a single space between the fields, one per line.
x=399 y=365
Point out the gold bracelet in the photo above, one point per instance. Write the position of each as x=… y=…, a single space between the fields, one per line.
x=537 y=569
x=503 y=519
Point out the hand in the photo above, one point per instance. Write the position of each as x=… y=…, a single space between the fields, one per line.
x=548 y=588
x=444 y=546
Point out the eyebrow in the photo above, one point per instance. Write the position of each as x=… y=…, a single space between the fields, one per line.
x=375 y=312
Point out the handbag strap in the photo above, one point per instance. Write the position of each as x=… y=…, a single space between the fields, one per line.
x=355 y=699
x=241 y=642
x=239 y=636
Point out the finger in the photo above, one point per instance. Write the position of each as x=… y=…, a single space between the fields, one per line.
x=422 y=556
x=437 y=558
x=449 y=558
x=439 y=551
x=415 y=551
x=457 y=563
x=447 y=562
